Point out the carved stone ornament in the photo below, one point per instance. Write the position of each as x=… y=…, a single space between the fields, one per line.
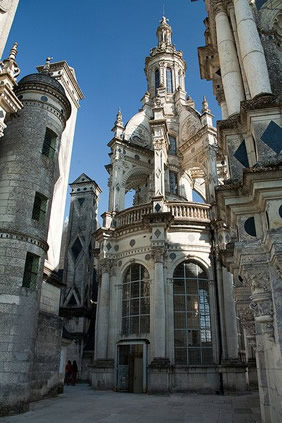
x=158 y=255
x=190 y=127
x=246 y=316
x=257 y=280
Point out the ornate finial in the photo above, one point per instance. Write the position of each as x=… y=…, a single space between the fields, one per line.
x=9 y=65
x=119 y=118
x=46 y=67
x=13 y=52
x=205 y=106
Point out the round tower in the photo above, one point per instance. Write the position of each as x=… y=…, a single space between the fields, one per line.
x=165 y=67
x=28 y=172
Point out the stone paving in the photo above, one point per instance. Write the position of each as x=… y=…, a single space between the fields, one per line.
x=81 y=404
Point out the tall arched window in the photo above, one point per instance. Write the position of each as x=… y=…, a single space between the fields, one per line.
x=136 y=300
x=173 y=183
x=172 y=145
x=192 y=327
x=169 y=87
x=157 y=80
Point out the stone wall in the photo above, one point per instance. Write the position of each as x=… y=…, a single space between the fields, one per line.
x=45 y=370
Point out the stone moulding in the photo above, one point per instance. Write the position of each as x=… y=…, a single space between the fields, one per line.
x=19 y=236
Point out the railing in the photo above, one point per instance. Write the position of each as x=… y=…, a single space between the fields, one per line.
x=133 y=215
x=193 y=211
x=180 y=211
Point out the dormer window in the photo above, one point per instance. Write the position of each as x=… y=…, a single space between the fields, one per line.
x=157 y=80
x=169 y=87
x=172 y=145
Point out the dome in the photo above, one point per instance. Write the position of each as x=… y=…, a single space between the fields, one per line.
x=42 y=78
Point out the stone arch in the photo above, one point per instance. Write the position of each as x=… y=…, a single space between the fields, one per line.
x=195 y=259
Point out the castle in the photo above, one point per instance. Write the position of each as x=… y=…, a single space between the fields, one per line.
x=188 y=292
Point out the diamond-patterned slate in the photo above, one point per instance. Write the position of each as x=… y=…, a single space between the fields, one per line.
x=272 y=137
x=157 y=207
x=109 y=246
x=76 y=248
x=241 y=154
x=260 y=3
x=250 y=226
x=157 y=233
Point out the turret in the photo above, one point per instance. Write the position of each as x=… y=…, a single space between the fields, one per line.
x=28 y=172
x=165 y=67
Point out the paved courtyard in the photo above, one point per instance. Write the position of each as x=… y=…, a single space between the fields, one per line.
x=81 y=404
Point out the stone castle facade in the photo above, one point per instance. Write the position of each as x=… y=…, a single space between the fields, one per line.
x=179 y=295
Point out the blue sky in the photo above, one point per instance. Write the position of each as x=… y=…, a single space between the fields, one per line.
x=106 y=41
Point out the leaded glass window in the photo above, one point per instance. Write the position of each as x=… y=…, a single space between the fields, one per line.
x=39 y=207
x=192 y=325
x=157 y=80
x=172 y=145
x=30 y=270
x=49 y=144
x=169 y=87
x=136 y=300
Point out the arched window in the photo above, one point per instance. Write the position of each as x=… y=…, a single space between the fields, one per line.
x=136 y=300
x=192 y=327
x=172 y=145
x=173 y=183
x=169 y=87
x=157 y=80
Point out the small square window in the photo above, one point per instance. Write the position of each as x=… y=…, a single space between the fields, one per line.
x=39 y=207
x=49 y=144
x=30 y=270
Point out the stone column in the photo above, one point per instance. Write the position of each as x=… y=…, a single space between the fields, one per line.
x=159 y=305
x=102 y=325
x=230 y=316
x=113 y=321
x=229 y=65
x=253 y=57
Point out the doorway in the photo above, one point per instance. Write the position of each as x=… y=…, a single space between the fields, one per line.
x=131 y=367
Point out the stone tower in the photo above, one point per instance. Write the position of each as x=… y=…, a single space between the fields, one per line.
x=165 y=302
x=28 y=173
x=80 y=295
x=248 y=84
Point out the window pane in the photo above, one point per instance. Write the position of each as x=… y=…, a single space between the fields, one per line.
x=135 y=289
x=172 y=145
x=178 y=287
x=144 y=306
x=134 y=323
x=169 y=87
x=179 y=302
x=179 y=271
x=191 y=270
x=194 y=355
x=125 y=308
x=207 y=355
x=181 y=355
x=180 y=338
x=179 y=320
x=192 y=303
x=134 y=307
x=145 y=324
x=191 y=286
x=193 y=337
x=135 y=273
x=193 y=320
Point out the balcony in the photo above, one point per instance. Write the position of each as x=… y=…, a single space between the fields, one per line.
x=185 y=211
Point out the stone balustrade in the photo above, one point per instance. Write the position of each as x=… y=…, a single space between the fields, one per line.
x=180 y=211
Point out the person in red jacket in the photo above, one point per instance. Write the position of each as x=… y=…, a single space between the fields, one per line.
x=68 y=373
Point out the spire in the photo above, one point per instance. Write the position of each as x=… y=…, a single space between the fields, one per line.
x=205 y=105
x=9 y=65
x=118 y=126
x=46 y=67
x=164 y=33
